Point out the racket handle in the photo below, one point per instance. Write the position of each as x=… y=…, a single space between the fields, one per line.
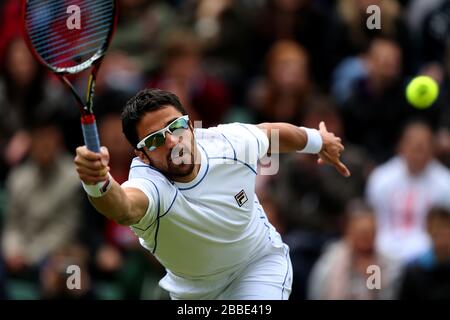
x=90 y=133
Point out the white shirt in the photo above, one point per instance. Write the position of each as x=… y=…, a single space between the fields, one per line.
x=402 y=201
x=214 y=224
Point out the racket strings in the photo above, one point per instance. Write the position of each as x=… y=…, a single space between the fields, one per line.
x=37 y=29
x=61 y=46
x=39 y=20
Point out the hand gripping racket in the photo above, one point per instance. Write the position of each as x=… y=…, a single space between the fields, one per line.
x=69 y=36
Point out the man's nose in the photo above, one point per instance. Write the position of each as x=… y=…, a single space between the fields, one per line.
x=171 y=140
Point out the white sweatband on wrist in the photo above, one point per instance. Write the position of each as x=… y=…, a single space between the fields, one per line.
x=314 y=142
x=99 y=189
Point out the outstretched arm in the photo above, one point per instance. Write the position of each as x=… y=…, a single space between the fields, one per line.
x=126 y=206
x=293 y=138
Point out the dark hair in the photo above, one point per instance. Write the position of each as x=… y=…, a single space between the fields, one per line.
x=358 y=207
x=410 y=123
x=438 y=212
x=145 y=101
x=40 y=120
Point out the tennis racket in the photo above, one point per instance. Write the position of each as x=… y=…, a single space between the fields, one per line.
x=70 y=36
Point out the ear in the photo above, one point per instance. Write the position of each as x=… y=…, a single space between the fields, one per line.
x=141 y=155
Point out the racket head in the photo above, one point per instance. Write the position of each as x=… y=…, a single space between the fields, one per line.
x=69 y=36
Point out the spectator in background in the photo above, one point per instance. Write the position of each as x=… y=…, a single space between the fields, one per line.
x=417 y=11
x=344 y=78
x=223 y=31
x=205 y=98
x=358 y=37
x=142 y=26
x=435 y=34
x=443 y=134
x=341 y=272
x=23 y=90
x=404 y=189
x=416 y=15
x=428 y=276
x=319 y=31
x=120 y=76
x=377 y=107
x=43 y=210
x=284 y=91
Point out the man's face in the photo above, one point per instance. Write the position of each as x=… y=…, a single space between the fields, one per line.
x=361 y=233
x=385 y=61
x=175 y=157
x=416 y=148
x=45 y=145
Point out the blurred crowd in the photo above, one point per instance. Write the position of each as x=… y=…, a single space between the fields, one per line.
x=296 y=61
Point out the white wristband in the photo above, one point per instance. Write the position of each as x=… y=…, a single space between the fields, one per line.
x=313 y=143
x=99 y=189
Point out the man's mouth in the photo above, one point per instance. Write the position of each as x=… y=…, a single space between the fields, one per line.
x=176 y=156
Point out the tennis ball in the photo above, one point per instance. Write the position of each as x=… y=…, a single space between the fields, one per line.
x=422 y=91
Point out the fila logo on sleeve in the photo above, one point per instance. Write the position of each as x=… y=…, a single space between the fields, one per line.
x=241 y=198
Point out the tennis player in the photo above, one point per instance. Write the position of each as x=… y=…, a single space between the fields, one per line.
x=190 y=197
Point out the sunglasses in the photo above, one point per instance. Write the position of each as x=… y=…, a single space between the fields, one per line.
x=156 y=139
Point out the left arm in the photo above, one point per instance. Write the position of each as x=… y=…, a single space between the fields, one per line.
x=293 y=138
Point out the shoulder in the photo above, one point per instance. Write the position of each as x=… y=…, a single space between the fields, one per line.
x=387 y=171
x=394 y=164
x=18 y=179
x=139 y=169
x=239 y=129
x=230 y=130
x=240 y=137
x=335 y=248
x=150 y=181
x=438 y=176
x=331 y=253
x=391 y=264
x=142 y=171
x=425 y=261
x=440 y=172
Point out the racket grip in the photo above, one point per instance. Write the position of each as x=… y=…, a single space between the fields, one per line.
x=90 y=133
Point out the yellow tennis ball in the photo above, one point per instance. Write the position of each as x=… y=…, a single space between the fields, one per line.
x=422 y=91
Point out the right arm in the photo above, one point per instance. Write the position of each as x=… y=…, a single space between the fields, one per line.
x=126 y=206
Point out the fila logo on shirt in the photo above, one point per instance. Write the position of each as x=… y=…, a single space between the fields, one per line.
x=241 y=198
